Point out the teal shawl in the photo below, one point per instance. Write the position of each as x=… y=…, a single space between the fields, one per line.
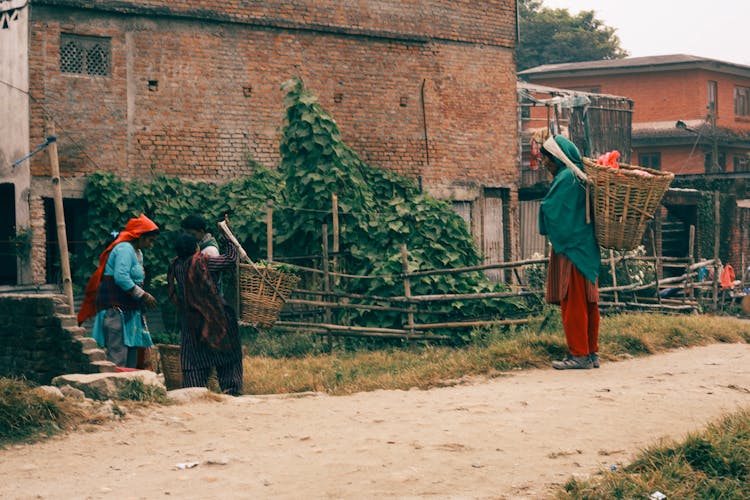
x=562 y=216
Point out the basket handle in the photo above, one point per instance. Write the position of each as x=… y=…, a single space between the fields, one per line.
x=243 y=255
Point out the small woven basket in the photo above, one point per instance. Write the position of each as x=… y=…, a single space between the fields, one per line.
x=169 y=360
x=624 y=200
x=263 y=291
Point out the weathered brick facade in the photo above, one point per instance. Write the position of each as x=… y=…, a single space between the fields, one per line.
x=215 y=74
x=424 y=88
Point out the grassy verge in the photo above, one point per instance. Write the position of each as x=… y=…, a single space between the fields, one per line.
x=491 y=352
x=714 y=463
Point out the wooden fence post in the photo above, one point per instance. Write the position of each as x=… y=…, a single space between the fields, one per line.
x=657 y=265
x=269 y=230
x=691 y=261
x=407 y=287
x=614 y=274
x=717 y=235
x=326 y=284
x=335 y=214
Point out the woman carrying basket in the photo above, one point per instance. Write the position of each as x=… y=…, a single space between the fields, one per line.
x=209 y=333
x=574 y=260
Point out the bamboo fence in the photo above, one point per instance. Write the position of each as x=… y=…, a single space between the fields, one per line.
x=312 y=307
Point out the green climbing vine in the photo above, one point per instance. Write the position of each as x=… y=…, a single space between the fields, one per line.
x=380 y=211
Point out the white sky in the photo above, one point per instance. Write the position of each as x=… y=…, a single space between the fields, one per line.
x=717 y=29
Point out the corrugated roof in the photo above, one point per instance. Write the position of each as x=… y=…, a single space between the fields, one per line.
x=542 y=89
x=635 y=63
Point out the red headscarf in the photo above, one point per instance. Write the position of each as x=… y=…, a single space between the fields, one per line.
x=134 y=229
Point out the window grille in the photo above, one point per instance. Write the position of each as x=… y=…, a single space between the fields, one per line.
x=85 y=55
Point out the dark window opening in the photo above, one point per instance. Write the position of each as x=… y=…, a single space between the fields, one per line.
x=76 y=219
x=721 y=165
x=8 y=260
x=742 y=101
x=650 y=160
x=741 y=164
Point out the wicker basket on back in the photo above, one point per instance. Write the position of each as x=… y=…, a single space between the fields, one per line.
x=624 y=200
x=263 y=292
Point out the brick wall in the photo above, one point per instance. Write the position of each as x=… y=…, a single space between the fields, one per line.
x=38 y=342
x=486 y=21
x=195 y=91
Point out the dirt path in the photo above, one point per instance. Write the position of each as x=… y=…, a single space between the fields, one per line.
x=510 y=437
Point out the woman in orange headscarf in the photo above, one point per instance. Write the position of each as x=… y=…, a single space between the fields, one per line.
x=114 y=296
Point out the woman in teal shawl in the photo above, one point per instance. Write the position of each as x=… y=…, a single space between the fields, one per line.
x=574 y=260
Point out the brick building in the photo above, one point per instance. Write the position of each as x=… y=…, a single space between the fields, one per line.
x=191 y=89
x=691 y=116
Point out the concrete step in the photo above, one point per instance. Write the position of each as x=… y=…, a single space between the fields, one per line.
x=95 y=354
x=87 y=343
x=61 y=305
x=105 y=366
x=75 y=331
x=67 y=319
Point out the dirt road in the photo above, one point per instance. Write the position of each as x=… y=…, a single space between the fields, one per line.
x=510 y=437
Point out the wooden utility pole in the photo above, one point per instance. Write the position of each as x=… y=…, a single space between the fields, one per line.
x=62 y=238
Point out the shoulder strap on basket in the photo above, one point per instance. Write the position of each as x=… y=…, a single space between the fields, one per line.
x=551 y=145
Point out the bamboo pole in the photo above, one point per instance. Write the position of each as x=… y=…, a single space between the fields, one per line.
x=419 y=298
x=407 y=286
x=691 y=260
x=62 y=238
x=342 y=305
x=326 y=282
x=658 y=272
x=717 y=235
x=269 y=230
x=356 y=331
x=614 y=273
x=335 y=217
x=467 y=324
x=637 y=305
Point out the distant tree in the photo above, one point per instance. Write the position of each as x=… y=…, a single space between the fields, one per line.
x=551 y=36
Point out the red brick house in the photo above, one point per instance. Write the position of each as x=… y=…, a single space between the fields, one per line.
x=191 y=89
x=691 y=116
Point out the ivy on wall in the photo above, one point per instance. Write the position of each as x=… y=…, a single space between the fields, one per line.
x=379 y=212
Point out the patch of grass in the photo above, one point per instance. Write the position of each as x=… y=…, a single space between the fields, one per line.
x=279 y=345
x=27 y=413
x=714 y=463
x=136 y=390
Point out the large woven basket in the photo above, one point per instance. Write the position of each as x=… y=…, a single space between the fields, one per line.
x=625 y=199
x=171 y=367
x=263 y=292
x=169 y=361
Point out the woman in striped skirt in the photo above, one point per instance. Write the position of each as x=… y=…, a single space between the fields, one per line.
x=209 y=334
